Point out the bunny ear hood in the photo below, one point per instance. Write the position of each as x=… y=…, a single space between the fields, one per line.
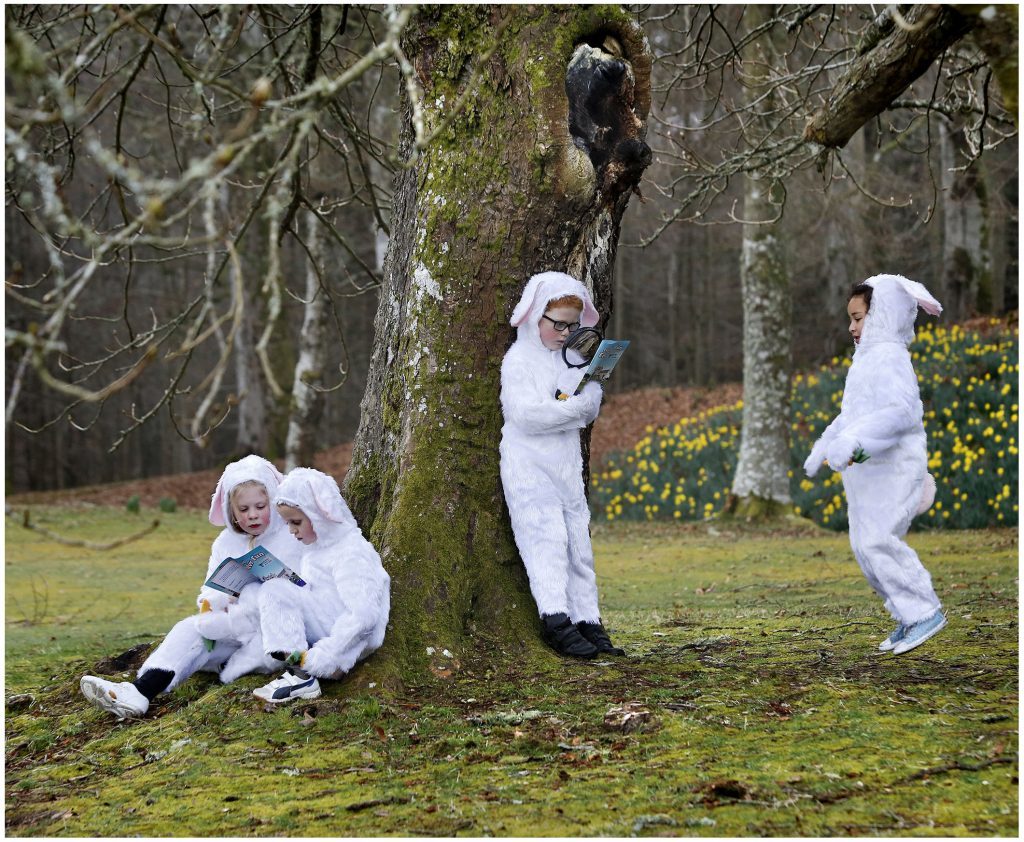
x=318 y=497
x=541 y=289
x=251 y=468
x=893 y=309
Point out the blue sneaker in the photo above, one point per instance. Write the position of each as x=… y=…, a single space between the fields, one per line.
x=920 y=632
x=897 y=635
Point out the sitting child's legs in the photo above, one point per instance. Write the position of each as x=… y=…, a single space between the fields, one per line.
x=181 y=653
x=282 y=617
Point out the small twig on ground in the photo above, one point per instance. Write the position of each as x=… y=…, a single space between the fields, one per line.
x=957 y=765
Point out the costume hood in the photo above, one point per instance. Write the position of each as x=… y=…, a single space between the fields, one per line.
x=541 y=289
x=893 y=309
x=250 y=468
x=318 y=497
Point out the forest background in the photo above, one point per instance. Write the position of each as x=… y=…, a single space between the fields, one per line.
x=927 y=189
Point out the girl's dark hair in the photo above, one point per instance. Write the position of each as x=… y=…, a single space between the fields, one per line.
x=864 y=291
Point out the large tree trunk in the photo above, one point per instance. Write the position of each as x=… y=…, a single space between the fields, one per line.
x=761 y=484
x=502 y=193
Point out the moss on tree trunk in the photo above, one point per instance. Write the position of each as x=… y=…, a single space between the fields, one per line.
x=502 y=193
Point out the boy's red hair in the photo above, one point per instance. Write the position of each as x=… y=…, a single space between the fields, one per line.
x=566 y=301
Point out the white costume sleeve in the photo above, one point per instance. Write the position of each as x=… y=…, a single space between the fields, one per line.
x=875 y=433
x=218 y=552
x=533 y=410
x=814 y=462
x=364 y=589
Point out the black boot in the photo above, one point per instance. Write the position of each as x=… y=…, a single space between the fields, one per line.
x=561 y=635
x=595 y=633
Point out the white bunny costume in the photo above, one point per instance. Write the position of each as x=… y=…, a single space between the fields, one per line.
x=343 y=610
x=541 y=461
x=882 y=413
x=239 y=646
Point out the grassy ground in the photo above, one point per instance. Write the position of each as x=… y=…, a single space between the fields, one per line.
x=752 y=703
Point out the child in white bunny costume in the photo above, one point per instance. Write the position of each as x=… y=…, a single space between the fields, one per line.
x=342 y=612
x=882 y=416
x=225 y=636
x=542 y=463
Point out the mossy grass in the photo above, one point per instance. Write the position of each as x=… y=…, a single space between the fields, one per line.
x=766 y=708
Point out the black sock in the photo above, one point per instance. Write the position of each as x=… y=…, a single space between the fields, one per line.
x=153 y=682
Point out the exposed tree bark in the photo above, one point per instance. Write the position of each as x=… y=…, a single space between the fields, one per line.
x=993 y=246
x=505 y=191
x=878 y=76
x=844 y=261
x=307 y=400
x=761 y=484
x=251 y=435
x=961 y=232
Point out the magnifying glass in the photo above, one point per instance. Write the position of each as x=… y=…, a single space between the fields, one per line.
x=580 y=346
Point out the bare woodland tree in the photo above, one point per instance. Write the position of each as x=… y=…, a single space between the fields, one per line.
x=147 y=141
x=725 y=110
x=761 y=478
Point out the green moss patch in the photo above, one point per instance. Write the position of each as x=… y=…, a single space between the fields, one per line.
x=753 y=702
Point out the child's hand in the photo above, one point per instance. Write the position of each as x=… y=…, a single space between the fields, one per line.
x=840 y=452
x=568 y=381
x=213 y=625
x=813 y=463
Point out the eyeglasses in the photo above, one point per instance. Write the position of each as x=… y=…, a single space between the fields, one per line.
x=560 y=326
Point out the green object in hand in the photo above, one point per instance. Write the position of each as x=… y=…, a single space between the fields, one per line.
x=295 y=659
x=209 y=644
x=860 y=456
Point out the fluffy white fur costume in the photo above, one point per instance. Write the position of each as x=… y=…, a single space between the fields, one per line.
x=343 y=609
x=541 y=461
x=240 y=646
x=882 y=413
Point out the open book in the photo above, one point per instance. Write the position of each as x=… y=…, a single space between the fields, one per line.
x=257 y=565
x=606 y=357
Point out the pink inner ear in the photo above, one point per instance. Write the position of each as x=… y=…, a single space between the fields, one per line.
x=929 y=306
x=525 y=304
x=217 y=506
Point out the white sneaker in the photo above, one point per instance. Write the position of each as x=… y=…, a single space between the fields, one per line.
x=121 y=698
x=289 y=686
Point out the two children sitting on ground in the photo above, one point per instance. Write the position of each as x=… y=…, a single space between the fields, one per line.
x=318 y=631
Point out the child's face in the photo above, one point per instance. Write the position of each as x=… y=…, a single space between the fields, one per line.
x=857 y=310
x=550 y=336
x=250 y=508
x=297 y=522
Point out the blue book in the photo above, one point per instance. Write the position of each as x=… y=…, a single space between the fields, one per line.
x=257 y=565
x=606 y=357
